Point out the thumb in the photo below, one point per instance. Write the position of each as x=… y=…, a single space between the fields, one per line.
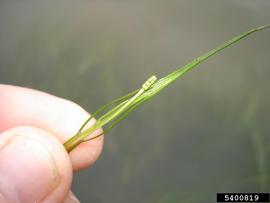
x=34 y=167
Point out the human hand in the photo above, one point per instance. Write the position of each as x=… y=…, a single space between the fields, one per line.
x=34 y=165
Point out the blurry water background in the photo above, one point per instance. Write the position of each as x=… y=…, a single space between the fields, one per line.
x=206 y=133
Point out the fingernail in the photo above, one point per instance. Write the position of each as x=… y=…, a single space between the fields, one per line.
x=28 y=172
x=71 y=198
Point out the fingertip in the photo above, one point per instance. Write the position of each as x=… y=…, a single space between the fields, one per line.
x=87 y=153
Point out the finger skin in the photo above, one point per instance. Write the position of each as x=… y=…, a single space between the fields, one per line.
x=62 y=118
x=34 y=166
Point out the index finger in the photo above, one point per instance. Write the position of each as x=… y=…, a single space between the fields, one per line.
x=23 y=106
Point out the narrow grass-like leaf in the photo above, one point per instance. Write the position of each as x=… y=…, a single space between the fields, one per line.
x=106 y=106
x=122 y=117
x=131 y=101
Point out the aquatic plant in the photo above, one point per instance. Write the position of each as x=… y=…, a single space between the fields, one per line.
x=128 y=103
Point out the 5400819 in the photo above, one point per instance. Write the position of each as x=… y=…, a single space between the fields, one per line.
x=243 y=197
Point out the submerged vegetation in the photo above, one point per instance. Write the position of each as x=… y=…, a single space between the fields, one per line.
x=126 y=104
